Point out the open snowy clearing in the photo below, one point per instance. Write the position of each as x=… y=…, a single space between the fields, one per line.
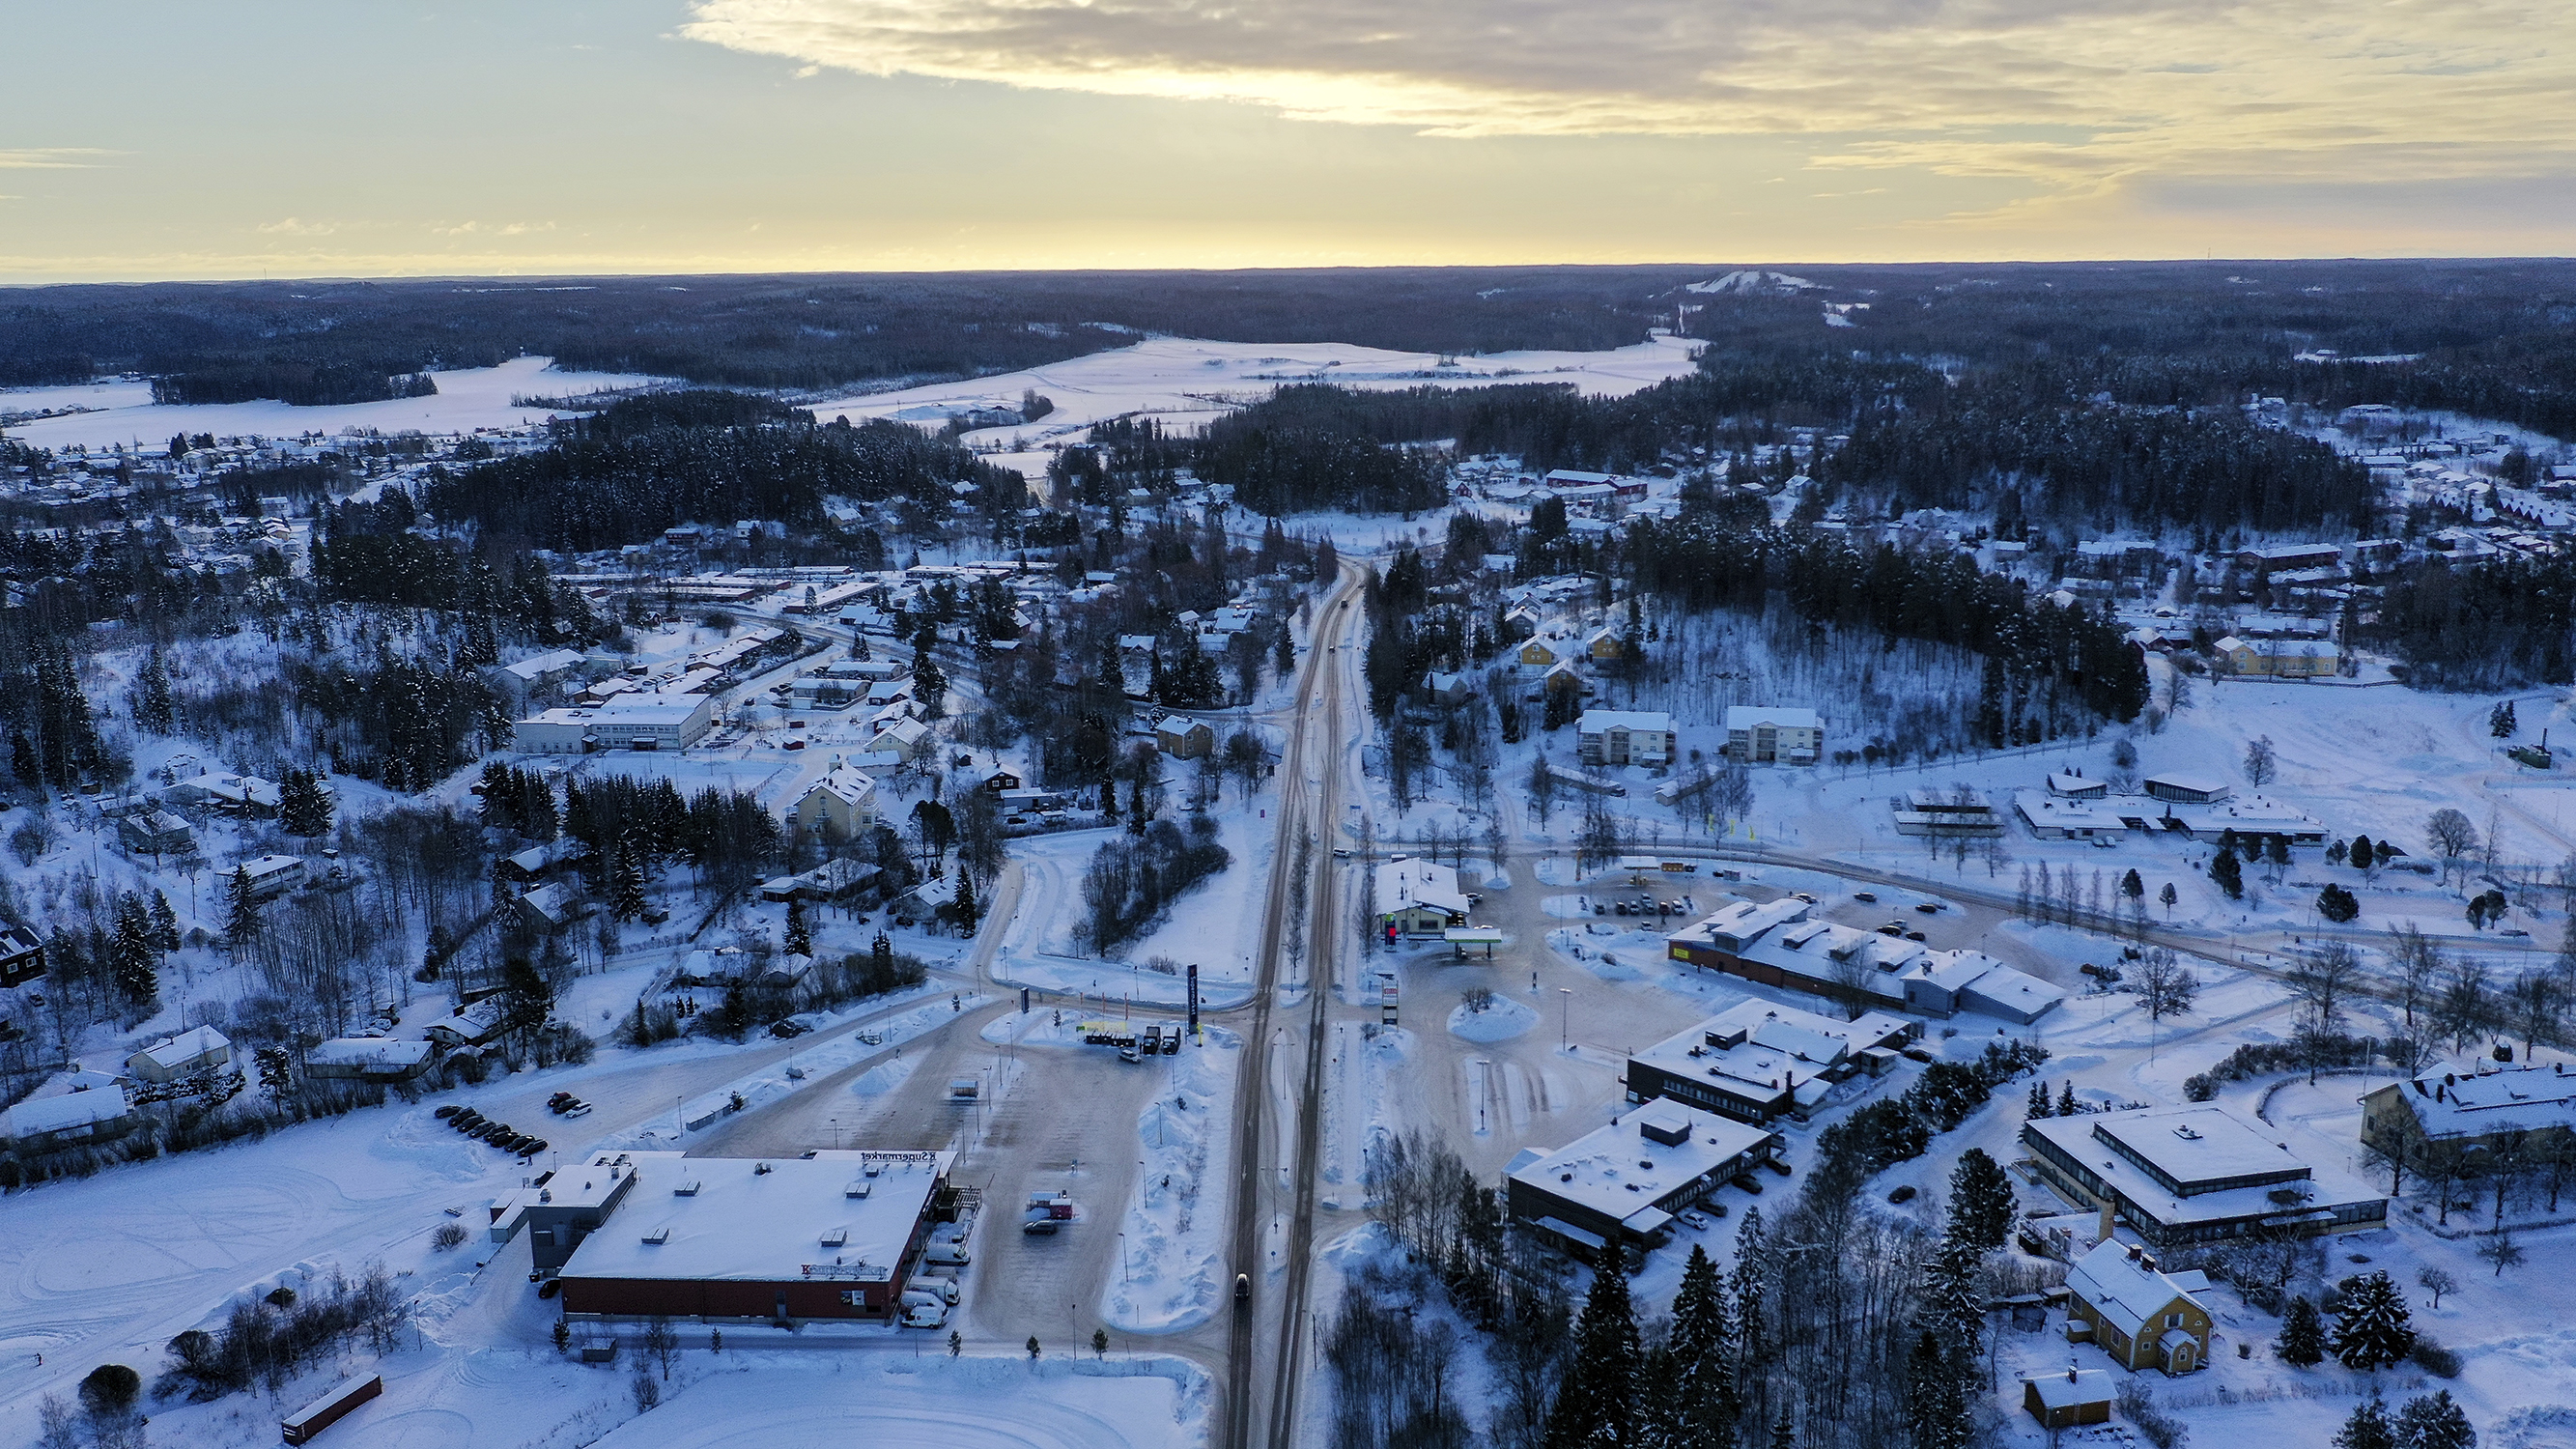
x=468 y=398
x=1183 y=384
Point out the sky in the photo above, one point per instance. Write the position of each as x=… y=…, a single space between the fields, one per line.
x=143 y=139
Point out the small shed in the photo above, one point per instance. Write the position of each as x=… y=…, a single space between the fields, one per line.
x=2061 y=1401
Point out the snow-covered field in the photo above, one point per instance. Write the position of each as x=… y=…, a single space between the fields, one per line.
x=468 y=398
x=1183 y=383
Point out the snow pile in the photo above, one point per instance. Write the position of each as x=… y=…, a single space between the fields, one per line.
x=1173 y=1275
x=1501 y=1021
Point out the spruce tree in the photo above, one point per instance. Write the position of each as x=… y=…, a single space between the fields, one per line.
x=1752 y=1268
x=135 y=957
x=152 y=710
x=1936 y=1399
x=881 y=962
x=2368 y=1427
x=242 y=924
x=2434 y=1421
x=2373 y=1328
x=626 y=885
x=22 y=763
x=165 y=922
x=1598 y=1402
x=303 y=808
x=1982 y=1206
x=2225 y=869
x=2038 y=1105
x=1700 y=1403
x=2066 y=1100
x=2303 y=1340
x=800 y=940
x=964 y=908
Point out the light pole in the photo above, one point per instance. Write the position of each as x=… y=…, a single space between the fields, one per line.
x=1123 y=1274
x=1565 y=1028
x=1484 y=1089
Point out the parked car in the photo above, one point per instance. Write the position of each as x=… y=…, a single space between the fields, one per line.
x=1694 y=1221
x=1041 y=1227
x=1748 y=1182
x=1902 y=1194
x=550 y=1288
x=446 y=1111
x=1869 y=896
x=1929 y=908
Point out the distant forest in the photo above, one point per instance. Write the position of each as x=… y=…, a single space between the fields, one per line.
x=2497 y=338
x=307 y=340
x=650 y=463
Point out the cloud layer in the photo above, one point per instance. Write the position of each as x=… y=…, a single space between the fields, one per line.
x=2073 y=94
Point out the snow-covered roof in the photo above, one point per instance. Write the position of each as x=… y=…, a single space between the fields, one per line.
x=369 y=1051
x=538 y=666
x=2122 y=1284
x=1737 y=924
x=1624 y=1167
x=849 y=786
x=1597 y=721
x=68 y=1112
x=2072 y=1389
x=2449 y=1101
x=172 y=1052
x=1754 y=716
x=764 y=1220
x=1410 y=881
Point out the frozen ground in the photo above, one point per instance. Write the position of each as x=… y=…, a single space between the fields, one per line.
x=469 y=398
x=1185 y=383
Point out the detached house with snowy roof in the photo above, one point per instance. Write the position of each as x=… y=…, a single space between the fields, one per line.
x=175 y=1058
x=840 y=806
x=2144 y=1318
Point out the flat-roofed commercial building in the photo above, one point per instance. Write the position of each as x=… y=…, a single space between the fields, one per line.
x=1624 y=1183
x=833 y=1235
x=2193 y=1175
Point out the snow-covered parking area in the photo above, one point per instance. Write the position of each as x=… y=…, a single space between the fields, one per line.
x=935 y=1403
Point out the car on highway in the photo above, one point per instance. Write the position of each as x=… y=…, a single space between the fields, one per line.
x=1870 y=896
x=1243 y=1281
x=1929 y=908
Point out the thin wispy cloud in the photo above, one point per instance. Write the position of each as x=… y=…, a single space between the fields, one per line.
x=52 y=158
x=2184 y=88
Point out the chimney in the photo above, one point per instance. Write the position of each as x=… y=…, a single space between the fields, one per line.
x=2135 y=1253
x=2070 y=1370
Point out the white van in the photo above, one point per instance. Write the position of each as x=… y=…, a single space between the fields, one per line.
x=931 y=1290
x=947 y=1255
x=924 y=1315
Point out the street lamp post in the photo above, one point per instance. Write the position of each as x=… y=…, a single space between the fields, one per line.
x=1484 y=1089
x=1565 y=1029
